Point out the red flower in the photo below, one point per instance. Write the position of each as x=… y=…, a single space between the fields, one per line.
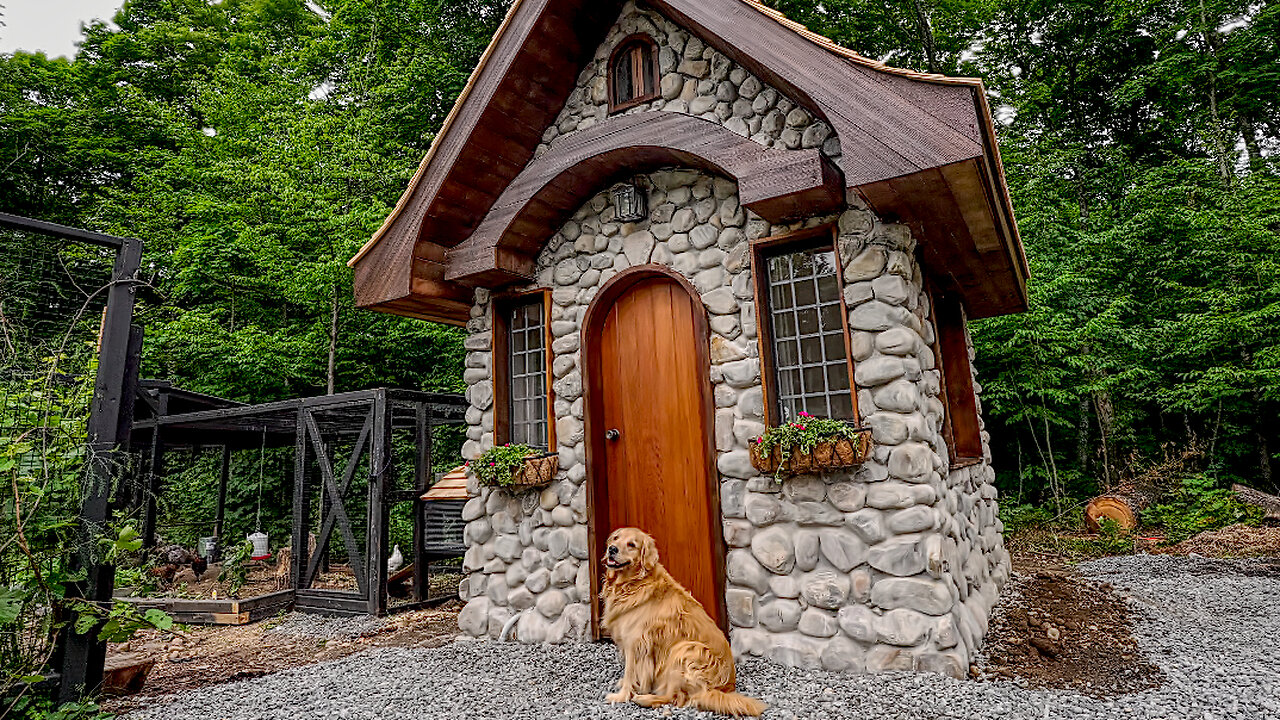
x=804 y=414
x=800 y=426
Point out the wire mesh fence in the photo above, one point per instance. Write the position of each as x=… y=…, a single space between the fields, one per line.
x=53 y=295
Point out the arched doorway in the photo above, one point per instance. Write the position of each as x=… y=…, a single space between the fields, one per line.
x=647 y=378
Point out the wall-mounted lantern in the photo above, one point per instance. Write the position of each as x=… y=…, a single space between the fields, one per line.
x=630 y=202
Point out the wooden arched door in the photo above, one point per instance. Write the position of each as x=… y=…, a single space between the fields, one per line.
x=648 y=379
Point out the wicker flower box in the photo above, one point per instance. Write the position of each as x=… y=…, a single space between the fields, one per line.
x=536 y=471
x=515 y=466
x=832 y=454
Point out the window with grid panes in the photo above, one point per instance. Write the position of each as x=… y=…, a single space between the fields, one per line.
x=527 y=360
x=809 y=356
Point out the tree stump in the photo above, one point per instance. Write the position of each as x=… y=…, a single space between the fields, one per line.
x=1122 y=506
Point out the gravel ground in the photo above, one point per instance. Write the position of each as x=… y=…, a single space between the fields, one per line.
x=1212 y=628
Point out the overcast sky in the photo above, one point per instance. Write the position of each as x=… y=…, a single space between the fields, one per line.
x=49 y=25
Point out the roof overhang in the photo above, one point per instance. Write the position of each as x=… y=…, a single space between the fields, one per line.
x=920 y=148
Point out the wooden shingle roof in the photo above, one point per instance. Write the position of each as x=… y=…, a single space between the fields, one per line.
x=920 y=148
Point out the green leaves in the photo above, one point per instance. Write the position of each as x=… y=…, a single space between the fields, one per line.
x=12 y=601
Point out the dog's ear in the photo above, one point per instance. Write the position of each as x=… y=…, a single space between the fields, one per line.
x=648 y=553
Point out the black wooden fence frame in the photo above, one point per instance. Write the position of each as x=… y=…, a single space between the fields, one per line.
x=81 y=657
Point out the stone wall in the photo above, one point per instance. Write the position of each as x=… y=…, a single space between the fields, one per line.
x=696 y=80
x=894 y=566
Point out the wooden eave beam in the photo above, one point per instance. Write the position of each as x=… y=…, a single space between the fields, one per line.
x=777 y=184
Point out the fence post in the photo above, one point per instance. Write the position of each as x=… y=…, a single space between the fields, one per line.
x=83 y=656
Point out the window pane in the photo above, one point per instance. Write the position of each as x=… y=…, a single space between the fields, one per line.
x=646 y=64
x=622 y=78
x=809 y=350
x=806 y=294
x=808 y=321
x=527 y=381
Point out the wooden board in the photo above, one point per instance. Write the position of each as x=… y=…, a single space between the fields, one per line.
x=217 y=612
x=650 y=382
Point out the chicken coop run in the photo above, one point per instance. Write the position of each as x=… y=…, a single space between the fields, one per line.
x=349 y=474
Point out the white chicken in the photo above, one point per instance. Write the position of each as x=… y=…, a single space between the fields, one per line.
x=396 y=561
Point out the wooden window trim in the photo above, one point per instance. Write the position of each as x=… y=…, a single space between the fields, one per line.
x=500 y=368
x=637 y=73
x=808 y=238
x=960 y=427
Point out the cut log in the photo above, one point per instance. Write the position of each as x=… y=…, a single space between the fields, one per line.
x=1257 y=498
x=126 y=674
x=1118 y=508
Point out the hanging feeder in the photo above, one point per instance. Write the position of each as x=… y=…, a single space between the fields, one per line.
x=261 y=546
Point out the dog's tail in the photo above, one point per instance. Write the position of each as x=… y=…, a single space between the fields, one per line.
x=727 y=703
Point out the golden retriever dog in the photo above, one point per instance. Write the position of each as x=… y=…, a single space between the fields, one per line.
x=672 y=651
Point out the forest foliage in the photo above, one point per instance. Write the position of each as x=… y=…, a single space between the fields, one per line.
x=256 y=144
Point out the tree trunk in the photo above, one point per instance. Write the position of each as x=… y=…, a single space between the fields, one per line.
x=1248 y=495
x=333 y=342
x=926 y=35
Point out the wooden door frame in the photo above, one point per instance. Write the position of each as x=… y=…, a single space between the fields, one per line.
x=596 y=480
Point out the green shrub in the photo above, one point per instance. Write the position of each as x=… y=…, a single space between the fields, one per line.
x=1198 y=505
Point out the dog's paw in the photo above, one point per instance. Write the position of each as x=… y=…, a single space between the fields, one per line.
x=618 y=697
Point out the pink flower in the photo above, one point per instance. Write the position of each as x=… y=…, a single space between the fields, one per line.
x=492 y=464
x=804 y=414
x=800 y=426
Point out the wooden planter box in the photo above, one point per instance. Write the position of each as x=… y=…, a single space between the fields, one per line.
x=231 y=611
x=832 y=455
x=537 y=471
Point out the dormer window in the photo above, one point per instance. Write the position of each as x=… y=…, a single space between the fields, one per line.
x=633 y=72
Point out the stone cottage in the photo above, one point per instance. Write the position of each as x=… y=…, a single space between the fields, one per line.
x=668 y=225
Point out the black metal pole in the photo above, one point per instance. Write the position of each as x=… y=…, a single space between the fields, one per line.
x=380 y=474
x=83 y=655
x=223 y=477
x=422 y=480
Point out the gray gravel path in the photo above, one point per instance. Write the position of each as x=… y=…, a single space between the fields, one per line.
x=1215 y=634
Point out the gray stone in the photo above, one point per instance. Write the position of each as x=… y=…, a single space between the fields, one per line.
x=474 y=618
x=912 y=519
x=898 y=396
x=742 y=569
x=684 y=220
x=774 y=549
x=904 y=628
x=911 y=461
x=847 y=496
x=795 y=651
x=897 y=556
x=888 y=428
x=520 y=599
x=825 y=589
x=866 y=265
x=737 y=533
x=732 y=493
x=481 y=395
x=578 y=542
x=741 y=606
x=805 y=488
x=725 y=351
x=558 y=543
x=762 y=509
x=473 y=509
x=807 y=549
x=785 y=586
x=737 y=464
x=508 y=547
x=927 y=596
x=551 y=603
x=815 y=513
x=868 y=523
x=884 y=658
x=842 y=549
x=720 y=301
x=818 y=623
x=878 y=370
x=858 y=622
x=843 y=655
x=897 y=495
x=860 y=585
x=538 y=580
x=638 y=246
x=742 y=374
x=779 y=615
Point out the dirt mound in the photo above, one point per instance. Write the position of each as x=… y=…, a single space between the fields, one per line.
x=1056 y=630
x=1233 y=541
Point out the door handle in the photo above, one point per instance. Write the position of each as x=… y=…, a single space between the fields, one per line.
x=612 y=434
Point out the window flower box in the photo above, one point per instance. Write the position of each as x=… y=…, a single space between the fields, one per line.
x=810 y=445
x=515 y=466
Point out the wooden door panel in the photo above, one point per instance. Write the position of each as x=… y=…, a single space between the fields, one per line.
x=652 y=380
